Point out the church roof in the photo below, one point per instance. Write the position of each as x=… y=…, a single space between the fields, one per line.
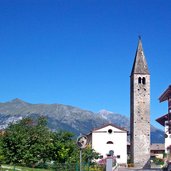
x=140 y=64
x=157 y=147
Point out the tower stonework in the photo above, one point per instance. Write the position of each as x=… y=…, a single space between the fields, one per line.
x=140 y=110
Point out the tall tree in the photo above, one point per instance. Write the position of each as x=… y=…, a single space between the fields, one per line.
x=26 y=141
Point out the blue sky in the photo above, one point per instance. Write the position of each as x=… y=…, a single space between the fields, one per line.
x=81 y=52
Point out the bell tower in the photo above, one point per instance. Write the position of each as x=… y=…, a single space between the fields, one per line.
x=140 y=110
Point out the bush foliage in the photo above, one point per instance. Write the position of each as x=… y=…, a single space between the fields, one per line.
x=30 y=143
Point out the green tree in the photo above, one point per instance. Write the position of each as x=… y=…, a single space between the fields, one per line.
x=15 y=141
x=30 y=142
x=89 y=155
x=65 y=149
x=38 y=143
x=63 y=146
x=26 y=142
x=1 y=148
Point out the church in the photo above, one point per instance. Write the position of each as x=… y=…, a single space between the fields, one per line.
x=110 y=139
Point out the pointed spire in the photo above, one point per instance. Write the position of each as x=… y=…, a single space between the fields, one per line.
x=140 y=64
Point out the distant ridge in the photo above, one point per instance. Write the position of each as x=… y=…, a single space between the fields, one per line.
x=66 y=117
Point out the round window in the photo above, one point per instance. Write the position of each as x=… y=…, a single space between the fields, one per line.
x=110 y=131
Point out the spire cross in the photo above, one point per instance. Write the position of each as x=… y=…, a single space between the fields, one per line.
x=139 y=37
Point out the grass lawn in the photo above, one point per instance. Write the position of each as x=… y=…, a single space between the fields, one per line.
x=19 y=168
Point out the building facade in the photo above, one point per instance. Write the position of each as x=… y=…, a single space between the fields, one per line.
x=157 y=150
x=140 y=110
x=165 y=120
x=110 y=140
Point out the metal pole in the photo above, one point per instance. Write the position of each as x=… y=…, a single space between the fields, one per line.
x=80 y=160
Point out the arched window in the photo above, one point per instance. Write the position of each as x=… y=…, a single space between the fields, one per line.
x=143 y=80
x=109 y=142
x=139 y=80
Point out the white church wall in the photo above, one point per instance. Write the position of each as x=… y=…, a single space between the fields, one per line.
x=102 y=139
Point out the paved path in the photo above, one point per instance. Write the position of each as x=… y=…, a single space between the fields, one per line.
x=134 y=169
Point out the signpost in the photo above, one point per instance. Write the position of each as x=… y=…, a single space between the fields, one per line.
x=82 y=143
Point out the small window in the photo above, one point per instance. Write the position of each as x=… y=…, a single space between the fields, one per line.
x=139 y=80
x=109 y=142
x=110 y=131
x=143 y=80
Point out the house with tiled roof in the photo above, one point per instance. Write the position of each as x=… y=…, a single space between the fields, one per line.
x=165 y=120
x=157 y=150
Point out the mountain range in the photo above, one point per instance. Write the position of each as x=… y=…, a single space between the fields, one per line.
x=65 y=117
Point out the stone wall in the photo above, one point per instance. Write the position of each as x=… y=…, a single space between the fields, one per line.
x=140 y=119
